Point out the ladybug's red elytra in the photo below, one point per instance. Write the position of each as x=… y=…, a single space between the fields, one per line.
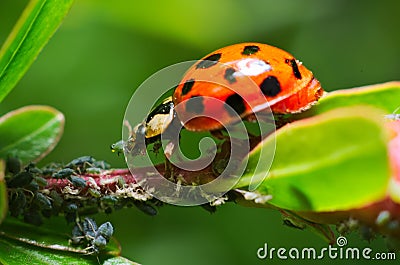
x=281 y=80
x=278 y=81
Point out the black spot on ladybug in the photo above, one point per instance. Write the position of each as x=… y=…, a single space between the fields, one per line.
x=295 y=68
x=229 y=75
x=270 y=87
x=236 y=102
x=250 y=49
x=195 y=105
x=187 y=86
x=209 y=61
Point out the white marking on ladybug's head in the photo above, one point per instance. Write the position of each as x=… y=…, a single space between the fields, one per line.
x=251 y=67
x=158 y=124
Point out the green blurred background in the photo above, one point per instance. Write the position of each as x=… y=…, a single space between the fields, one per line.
x=105 y=49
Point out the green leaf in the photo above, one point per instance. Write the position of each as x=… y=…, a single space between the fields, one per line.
x=34 y=28
x=385 y=96
x=15 y=252
x=334 y=161
x=3 y=192
x=119 y=261
x=20 y=242
x=30 y=133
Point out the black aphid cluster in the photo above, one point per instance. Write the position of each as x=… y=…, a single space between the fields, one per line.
x=94 y=239
x=28 y=196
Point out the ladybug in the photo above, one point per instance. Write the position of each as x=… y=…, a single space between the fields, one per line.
x=281 y=83
x=247 y=77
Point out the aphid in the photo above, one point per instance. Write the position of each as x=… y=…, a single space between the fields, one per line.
x=94 y=193
x=118 y=147
x=41 y=181
x=13 y=164
x=63 y=173
x=146 y=208
x=84 y=231
x=42 y=201
x=106 y=230
x=89 y=227
x=383 y=218
x=70 y=212
x=77 y=181
x=56 y=198
x=87 y=234
x=20 y=180
x=93 y=170
x=71 y=207
x=101 y=164
x=82 y=161
x=77 y=235
x=32 y=186
x=51 y=168
x=98 y=243
x=31 y=167
x=17 y=203
x=109 y=199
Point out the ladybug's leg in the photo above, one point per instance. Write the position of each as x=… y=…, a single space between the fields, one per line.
x=219 y=134
x=224 y=153
x=267 y=124
x=262 y=116
x=282 y=119
x=230 y=155
x=169 y=167
x=222 y=157
x=169 y=170
x=172 y=135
